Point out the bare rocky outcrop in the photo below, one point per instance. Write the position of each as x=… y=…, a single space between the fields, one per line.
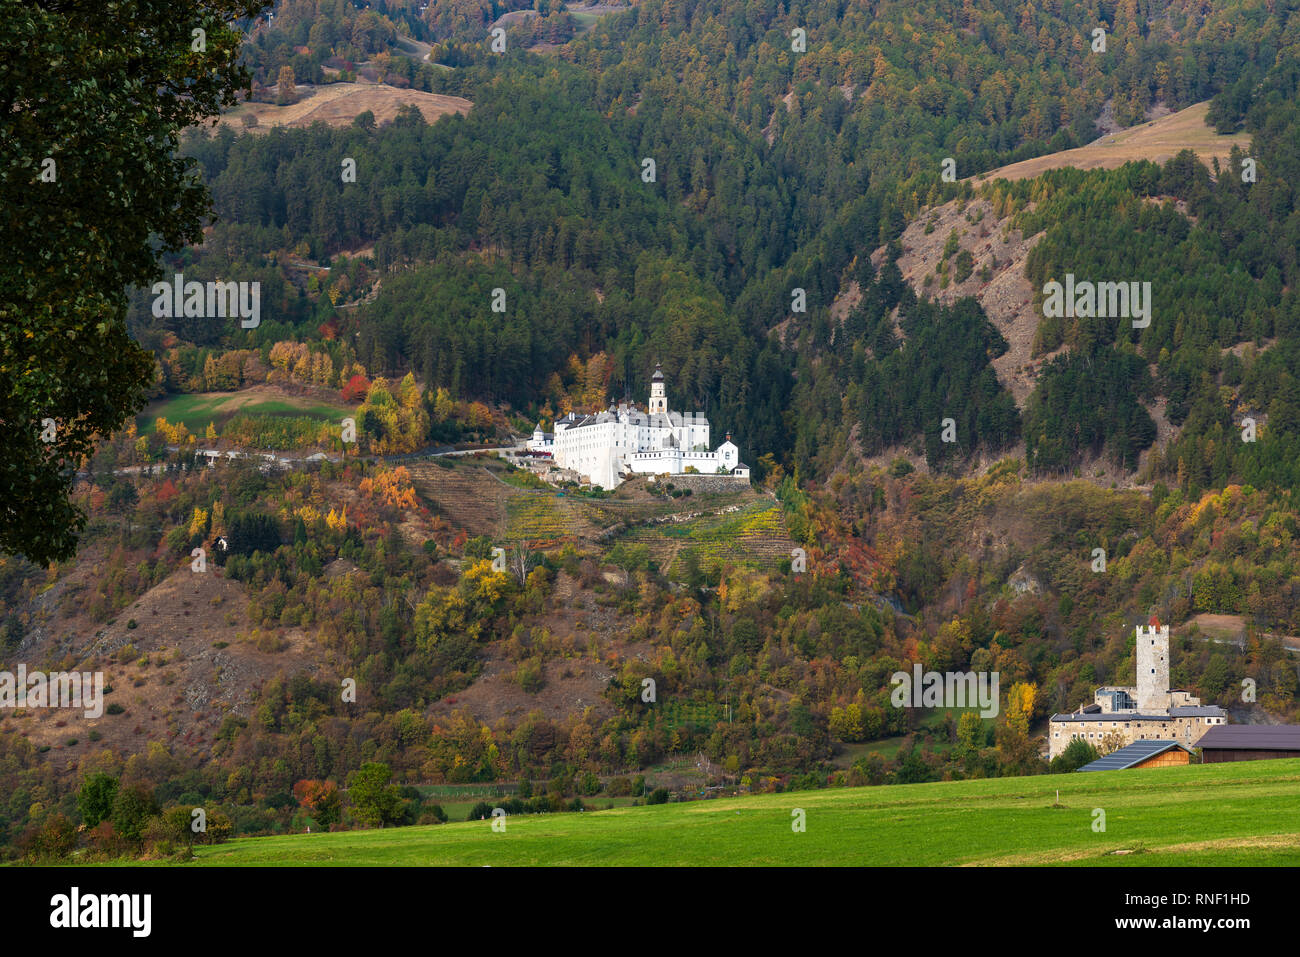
x=997 y=281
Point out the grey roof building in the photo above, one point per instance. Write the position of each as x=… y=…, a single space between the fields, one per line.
x=1141 y=754
x=1249 y=742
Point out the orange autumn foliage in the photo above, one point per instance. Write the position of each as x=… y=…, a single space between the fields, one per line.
x=391 y=487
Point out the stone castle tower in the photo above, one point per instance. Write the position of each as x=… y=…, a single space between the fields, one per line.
x=658 y=399
x=1153 y=668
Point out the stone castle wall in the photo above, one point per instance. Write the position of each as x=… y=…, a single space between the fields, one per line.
x=705 y=483
x=1186 y=731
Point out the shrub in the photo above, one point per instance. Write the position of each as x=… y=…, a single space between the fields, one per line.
x=271 y=643
x=433 y=814
x=1076 y=754
x=53 y=840
x=105 y=842
x=588 y=784
x=156 y=838
x=219 y=829
x=177 y=825
x=132 y=809
x=529 y=675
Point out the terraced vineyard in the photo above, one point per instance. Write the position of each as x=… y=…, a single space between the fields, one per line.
x=747 y=534
x=466 y=495
x=612 y=512
x=741 y=528
x=544 y=519
x=671 y=715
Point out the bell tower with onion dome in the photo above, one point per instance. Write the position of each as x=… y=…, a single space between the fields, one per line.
x=658 y=399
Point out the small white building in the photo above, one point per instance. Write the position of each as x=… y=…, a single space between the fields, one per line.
x=541 y=441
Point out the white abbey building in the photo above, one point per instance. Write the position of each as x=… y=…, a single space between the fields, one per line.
x=607 y=447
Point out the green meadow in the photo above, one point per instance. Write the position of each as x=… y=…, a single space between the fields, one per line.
x=198 y=409
x=1225 y=814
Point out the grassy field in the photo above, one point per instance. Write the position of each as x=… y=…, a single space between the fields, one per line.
x=338 y=104
x=888 y=748
x=1226 y=814
x=198 y=409
x=1158 y=141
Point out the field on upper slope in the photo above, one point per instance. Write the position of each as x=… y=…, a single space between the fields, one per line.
x=338 y=104
x=1238 y=814
x=197 y=409
x=1158 y=141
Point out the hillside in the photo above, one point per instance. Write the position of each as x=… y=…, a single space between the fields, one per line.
x=1005 y=294
x=177 y=661
x=196 y=648
x=946 y=472
x=999 y=252
x=1224 y=814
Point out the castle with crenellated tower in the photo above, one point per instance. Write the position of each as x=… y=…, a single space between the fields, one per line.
x=1150 y=710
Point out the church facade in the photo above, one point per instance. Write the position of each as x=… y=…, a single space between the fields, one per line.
x=610 y=446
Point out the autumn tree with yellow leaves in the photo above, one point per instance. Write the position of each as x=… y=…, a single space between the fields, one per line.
x=583 y=386
x=466 y=610
x=1019 y=752
x=173 y=434
x=394 y=421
